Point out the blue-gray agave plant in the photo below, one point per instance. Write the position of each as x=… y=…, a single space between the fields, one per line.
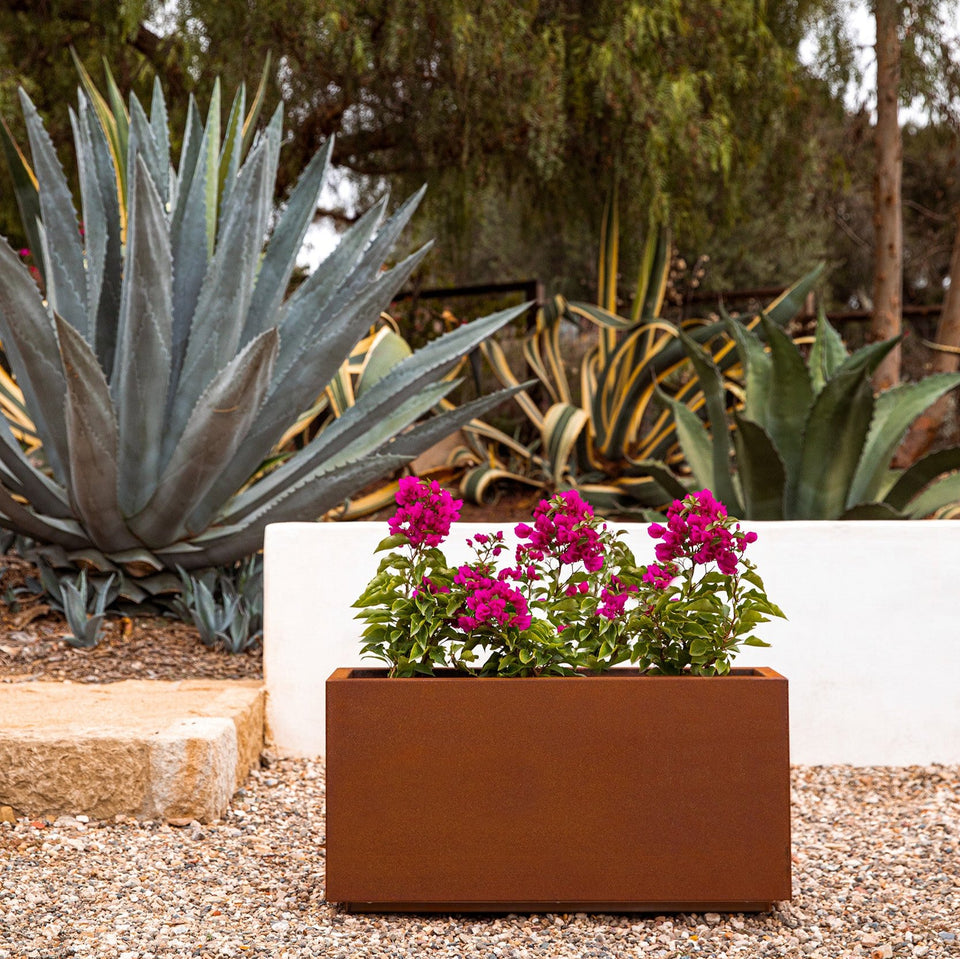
x=165 y=357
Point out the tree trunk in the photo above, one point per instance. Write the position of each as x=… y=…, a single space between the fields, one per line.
x=888 y=250
x=925 y=427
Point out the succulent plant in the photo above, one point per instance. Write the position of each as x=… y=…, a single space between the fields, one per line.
x=609 y=442
x=165 y=357
x=811 y=440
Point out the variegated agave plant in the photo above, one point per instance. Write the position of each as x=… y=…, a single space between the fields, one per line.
x=165 y=357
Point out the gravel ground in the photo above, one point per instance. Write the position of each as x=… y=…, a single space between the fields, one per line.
x=876 y=873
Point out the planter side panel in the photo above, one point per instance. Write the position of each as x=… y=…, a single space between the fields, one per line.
x=609 y=789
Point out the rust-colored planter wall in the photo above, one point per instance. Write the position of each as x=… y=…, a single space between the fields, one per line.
x=604 y=793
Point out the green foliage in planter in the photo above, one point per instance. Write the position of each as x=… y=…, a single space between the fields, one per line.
x=609 y=442
x=166 y=358
x=811 y=440
x=570 y=597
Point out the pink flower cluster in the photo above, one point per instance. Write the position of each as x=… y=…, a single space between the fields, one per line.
x=490 y=602
x=561 y=530
x=697 y=530
x=613 y=598
x=425 y=512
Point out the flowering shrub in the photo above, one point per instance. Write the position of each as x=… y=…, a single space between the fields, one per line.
x=571 y=597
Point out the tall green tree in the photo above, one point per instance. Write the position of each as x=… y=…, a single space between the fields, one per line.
x=516 y=110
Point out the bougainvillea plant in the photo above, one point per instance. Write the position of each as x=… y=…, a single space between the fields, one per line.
x=568 y=597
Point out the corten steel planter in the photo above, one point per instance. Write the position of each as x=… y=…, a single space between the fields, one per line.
x=619 y=792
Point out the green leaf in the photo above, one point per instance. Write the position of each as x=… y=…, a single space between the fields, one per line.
x=788 y=403
x=920 y=475
x=832 y=442
x=216 y=428
x=713 y=391
x=760 y=470
x=92 y=428
x=893 y=413
x=143 y=345
x=827 y=354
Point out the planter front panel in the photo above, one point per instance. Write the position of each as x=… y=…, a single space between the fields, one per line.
x=616 y=791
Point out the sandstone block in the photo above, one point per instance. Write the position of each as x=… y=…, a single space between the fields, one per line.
x=143 y=748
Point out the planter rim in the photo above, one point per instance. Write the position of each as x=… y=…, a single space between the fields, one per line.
x=618 y=674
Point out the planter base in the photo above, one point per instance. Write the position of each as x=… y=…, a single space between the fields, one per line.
x=656 y=908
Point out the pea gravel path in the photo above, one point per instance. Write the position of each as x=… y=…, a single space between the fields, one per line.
x=877 y=874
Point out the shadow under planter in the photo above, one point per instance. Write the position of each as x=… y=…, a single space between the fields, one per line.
x=619 y=792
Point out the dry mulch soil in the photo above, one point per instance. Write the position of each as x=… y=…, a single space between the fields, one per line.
x=32 y=644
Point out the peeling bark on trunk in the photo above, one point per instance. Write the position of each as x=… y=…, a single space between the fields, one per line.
x=888 y=251
x=925 y=427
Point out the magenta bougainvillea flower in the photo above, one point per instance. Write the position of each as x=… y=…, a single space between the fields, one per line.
x=562 y=530
x=695 y=531
x=490 y=602
x=425 y=512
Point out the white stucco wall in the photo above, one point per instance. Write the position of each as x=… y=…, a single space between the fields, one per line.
x=871 y=647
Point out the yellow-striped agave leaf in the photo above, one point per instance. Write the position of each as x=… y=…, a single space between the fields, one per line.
x=562 y=426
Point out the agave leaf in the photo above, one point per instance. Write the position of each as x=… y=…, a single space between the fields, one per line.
x=827 y=354
x=63 y=252
x=315 y=494
x=250 y=123
x=694 y=441
x=661 y=474
x=893 y=413
x=786 y=306
x=757 y=368
x=497 y=359
x=872 y=511
x=940 y=493
x=543 y=353
x=920 y=475
x=212 y=131
x=294 y=387
x=711 y=383
x=356 y=438
x=316 y=293
x=423 y=435
x=160 y=128
x=25 y=190
x=226 y=290
x=216 y=428
x=195 y=139
x=868 y=357
x=287 y=238
x=788 y=402
x=386 y=402
x=833 y=439
x=30 y=343
x=46 y=529
x=34 y=485
x=104 y=230
x=114 y=128
x=477 y=482
x=143 y=346
x=599 y=316
x=190 y=260
x=144 y=142
x=387 y=350
x=232 y=149
x=375 y=255
x=92 y=428
x=759 y=469
x=562 y=425
x=653 y=275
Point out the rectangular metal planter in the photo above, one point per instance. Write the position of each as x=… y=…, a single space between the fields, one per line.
x=620 y=792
